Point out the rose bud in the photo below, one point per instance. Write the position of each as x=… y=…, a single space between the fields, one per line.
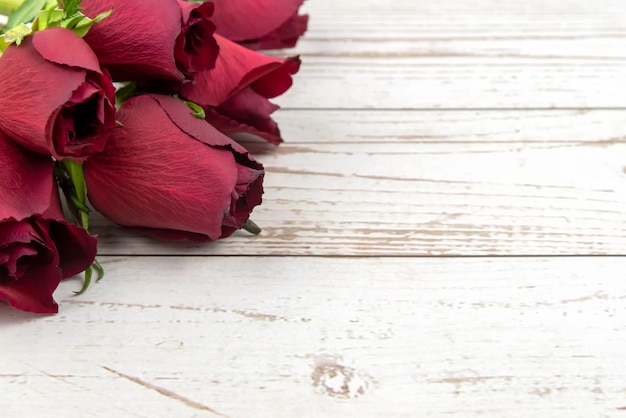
x=143 y=40
x=172 y=176
x=37 y=247
x=54 y=98
x=276 y=23
x=235 y=92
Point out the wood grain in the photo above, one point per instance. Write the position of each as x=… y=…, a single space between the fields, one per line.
x=372 y=20
x=458 y=83
x=309 y=337
x=433 y=198
x=452 y=54
x=532 y=127
x=419 y=135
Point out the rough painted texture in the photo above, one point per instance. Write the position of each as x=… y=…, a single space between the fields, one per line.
x=414 y=130
x=326 y=336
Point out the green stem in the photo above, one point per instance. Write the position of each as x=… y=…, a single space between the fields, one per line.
x=251 y=227
x=77 y=177
x=78 y=199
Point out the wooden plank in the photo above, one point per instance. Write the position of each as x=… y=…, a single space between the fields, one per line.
x=437 y=126
x=483 y=198
x=416 y=20
x=333 y=337
x=479 y=54
x=457 y=83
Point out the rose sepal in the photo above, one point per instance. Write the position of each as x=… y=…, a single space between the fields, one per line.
x=69 y=16
x=20 y=11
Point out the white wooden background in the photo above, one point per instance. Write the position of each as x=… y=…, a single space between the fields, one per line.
x=444 y=235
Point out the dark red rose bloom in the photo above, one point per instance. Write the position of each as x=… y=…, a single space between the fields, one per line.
x=171 y=175
x=235 y=93
x=37 y=247
x=267 y=24
x=54 y=98
x=143 y=40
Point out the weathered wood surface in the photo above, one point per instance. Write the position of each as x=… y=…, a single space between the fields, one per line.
x=360 y=126
x=470 y=54
x=432 y=183
x=415 y=130
x=335 y=337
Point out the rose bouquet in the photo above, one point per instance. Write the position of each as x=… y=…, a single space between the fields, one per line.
x=125 y=106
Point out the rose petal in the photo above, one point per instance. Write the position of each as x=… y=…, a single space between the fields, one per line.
x=77 y=249
x=14 y=253
x=34 y=293
x=14 y=231
x=234 y=94
x=237 y=68
x=198 y=129
x=141 y=41
x=24 y=73
x=64 y=47
x=276 y=82
x=137 y=40
x=246 y=112
x=39 y=275
x=86 y=113
x=196 y=49
x=37 y=246
x=232 y=17
x=194 y=182
x=26 y=183
x=34 y=119
x=246 y=195
x=286 y=36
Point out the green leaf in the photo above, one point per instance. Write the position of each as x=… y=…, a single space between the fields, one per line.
x=89 y=273
x=81 y=24
x=198 y=111
x=17 y=34
x=70 y=7
x=86 y=282
x=101 y=16
x=99 y=269
x=125 y=92
x=71 y=21
x=23 y=14
x=3 y=45
x=48 y=18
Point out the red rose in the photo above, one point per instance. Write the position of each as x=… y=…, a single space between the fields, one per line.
x=171 y=175
x=143 y=40
x=37 y=247
x=276 y=23
x=54 y=97
x=235 y=92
